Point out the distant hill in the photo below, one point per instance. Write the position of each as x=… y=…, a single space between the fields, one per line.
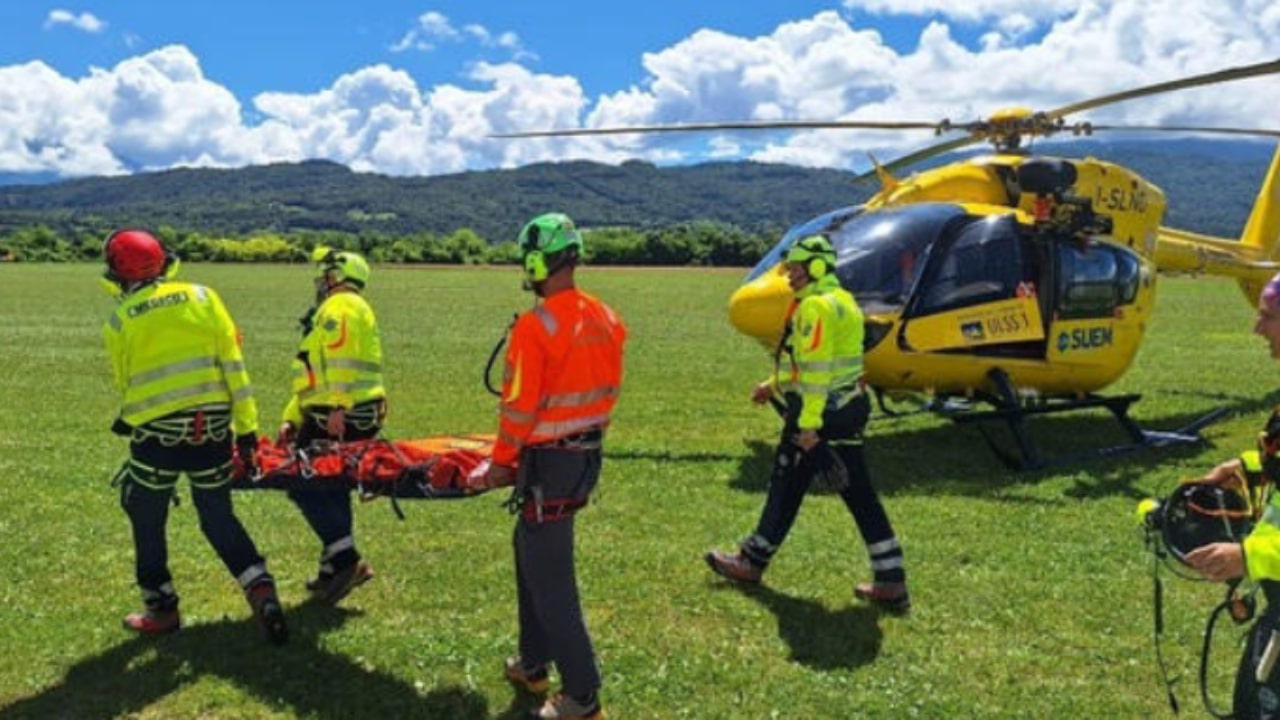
x=1210 y=184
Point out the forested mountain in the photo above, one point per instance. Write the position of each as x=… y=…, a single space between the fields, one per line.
x=1210 y=186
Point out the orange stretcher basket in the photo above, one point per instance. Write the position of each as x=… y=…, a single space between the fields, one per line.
x=441 y=466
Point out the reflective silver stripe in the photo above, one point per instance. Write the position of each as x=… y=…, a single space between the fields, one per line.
x=883 y=546
x=177 y=368
x=510 y=439
x=547 y=319
x=115 y=322
x=518 y=416
x=251 y=575
x=568 y=427
x=887 y=563
x=353 y=364
x=337 y=546
x=242 y=394
x=575 y=399
x=170 y=396
x=842 y=363
x=235 y=366
x=811 y=388
x=339 y=387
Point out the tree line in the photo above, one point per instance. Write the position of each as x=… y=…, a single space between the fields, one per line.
x=701 y=243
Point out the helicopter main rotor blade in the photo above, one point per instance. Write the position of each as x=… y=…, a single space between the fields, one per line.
x=742 y=125
x=1239 y=73
x=1257 y=132
x=924 y=154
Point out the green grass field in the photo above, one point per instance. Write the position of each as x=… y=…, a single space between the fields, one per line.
x=1032 y=592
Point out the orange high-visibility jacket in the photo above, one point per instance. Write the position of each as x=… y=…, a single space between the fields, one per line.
x=563 y=372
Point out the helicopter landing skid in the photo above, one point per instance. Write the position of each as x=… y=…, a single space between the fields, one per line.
x=1028 y=457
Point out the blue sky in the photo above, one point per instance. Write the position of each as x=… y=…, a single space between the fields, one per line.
x=416 y=88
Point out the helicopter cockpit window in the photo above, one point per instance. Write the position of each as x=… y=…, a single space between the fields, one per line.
x=982 y=262
x=880 y=255
x=1095 y=279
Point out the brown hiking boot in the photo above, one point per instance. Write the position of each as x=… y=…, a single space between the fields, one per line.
x=268 y=612
x=153 y=622
x=734 y=566
x=564 y=707
x=890 y=596
x=332 y=588
x=533 y=680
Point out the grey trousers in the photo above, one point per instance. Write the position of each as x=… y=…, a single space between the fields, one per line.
x=552 y=628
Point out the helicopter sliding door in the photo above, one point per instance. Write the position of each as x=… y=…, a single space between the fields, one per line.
x=980 y=292
x=1095 y=284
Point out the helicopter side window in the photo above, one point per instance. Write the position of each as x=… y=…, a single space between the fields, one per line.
x=1095 y=280
x=982 y=263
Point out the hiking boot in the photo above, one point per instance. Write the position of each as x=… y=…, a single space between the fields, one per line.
x=332 y=588
x=268 y=612
x=533 y=680
x=891 y=596
x=565 y=707
x=153 y=622
x=735 y=566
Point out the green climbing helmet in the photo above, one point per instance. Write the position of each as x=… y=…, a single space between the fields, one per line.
x=549 y=234
x=347 y=267
x=815 y=253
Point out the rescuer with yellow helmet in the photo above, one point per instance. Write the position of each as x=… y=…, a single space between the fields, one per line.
x=562 y=379
x=177 y=361
x=337 y=395
x=1256 y=558
x=826 y=411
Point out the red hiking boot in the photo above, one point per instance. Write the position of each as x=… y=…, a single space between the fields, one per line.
x=332 y=588
x=153 y=622
x=268 y=612
x=533 y=680
x=735 y=566
x=888 y=596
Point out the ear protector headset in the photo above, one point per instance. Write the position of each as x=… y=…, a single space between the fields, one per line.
x=816 y=254
x=535 y=262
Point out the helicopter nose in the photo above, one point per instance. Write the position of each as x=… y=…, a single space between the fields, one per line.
x=759 y=308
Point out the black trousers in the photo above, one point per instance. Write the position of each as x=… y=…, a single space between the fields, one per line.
x=1253 y=700
x=552 y=627
x=147 y=481
x=794 y=471
x=328 y=511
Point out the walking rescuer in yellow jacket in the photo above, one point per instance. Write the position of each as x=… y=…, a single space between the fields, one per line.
x=826 y=411
x=177 y=360
x=1257 y=558
x=337 y=395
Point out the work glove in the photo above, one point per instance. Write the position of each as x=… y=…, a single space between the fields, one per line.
x=247 y=451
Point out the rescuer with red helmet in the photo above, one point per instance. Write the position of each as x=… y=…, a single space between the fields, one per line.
x=186 y=402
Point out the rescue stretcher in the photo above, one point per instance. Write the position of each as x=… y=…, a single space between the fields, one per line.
x=442 y=466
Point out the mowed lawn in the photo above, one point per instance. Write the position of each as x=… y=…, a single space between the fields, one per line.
x=1032 y=591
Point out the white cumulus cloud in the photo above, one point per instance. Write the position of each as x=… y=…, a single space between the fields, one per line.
x=85 y=21
x=158 y=109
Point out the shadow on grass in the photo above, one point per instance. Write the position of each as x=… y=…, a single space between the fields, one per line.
x=300 y=677
x=820 y=638
x=946 y=457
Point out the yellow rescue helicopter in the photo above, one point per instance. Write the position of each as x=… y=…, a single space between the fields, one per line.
x=1009 y=281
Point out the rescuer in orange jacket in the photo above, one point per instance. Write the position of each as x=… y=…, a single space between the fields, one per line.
x=562 y=377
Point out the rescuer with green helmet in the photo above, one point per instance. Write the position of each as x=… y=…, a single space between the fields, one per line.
x=826 y=411
x=337 y=395
x=187 y=398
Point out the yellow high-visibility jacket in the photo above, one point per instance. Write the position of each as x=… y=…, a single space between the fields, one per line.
x=339 y=362
x=1262 y=545
x=173 y=347
x=825 y=349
